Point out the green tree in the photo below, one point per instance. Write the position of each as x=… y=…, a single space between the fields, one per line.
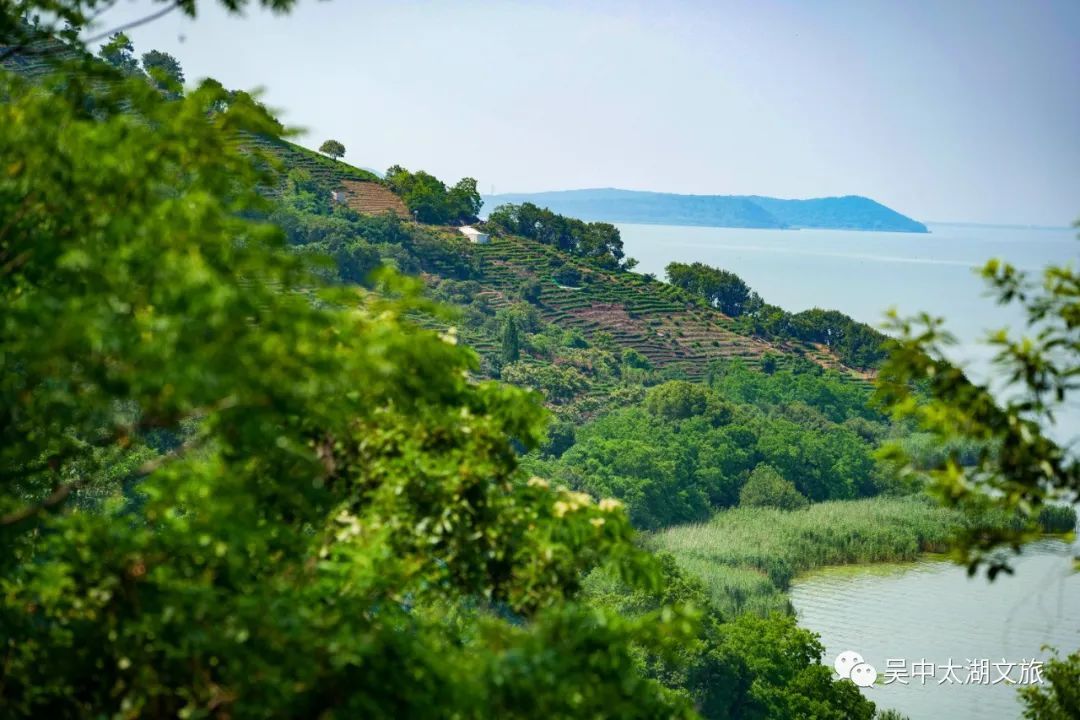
x=744 y=668
x=511 y=343
x=463 y=201
x=722 y=289
x=119 y=52
x=677 y=400
x=212 y=464
x=558 y=384
x=631 y=358
x=332 y=148
x=164 y=70
x=1017 y=468
x=568 y=276
x=769 y=363
x=530 y=292
x=423 y=193
x=431 y=201
x=1059 y=697
x=600 y=242
x=768 y=488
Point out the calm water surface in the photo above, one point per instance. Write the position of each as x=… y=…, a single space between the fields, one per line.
x=927 y=610
x=933 y=611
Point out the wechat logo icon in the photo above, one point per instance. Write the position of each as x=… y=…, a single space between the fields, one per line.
x=850 y=665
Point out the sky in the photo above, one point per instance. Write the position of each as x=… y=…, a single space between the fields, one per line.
x=946 y=111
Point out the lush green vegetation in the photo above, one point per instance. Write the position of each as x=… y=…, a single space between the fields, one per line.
x=231 y=490
x=856 y=344
x=684 y=450
x=332 y=148
x=359 y=244
x=1056 y=518
x=600 y=242
x=230 y=439
x=431 y=201
x=745 y=667
x=1059 y=698
x=768 y=488
x=235 y=484
x=723 y=289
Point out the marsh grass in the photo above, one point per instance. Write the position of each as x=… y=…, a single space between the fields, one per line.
x=1057 y=518
x=747 y=557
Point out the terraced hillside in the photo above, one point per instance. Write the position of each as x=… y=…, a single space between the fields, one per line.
x=658 y=320
x=673 y=330
x=670 y=327
x=331 y=173
x=372 y=198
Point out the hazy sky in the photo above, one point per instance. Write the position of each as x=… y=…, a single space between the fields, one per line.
x=943 y=110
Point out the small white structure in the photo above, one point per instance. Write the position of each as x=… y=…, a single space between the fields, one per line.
x=474 y=235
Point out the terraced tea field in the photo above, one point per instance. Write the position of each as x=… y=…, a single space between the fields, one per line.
x=668 y=326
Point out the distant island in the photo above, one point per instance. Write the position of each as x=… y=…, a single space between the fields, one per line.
x=851 y=212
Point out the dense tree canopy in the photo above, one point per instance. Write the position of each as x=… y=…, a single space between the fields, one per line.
x=120 y=53
x=856 y=344
x=767 y=488
x=723 y=289
x=598 y=241
x=164 y=70
x=687 y=449
x=431 y=201
x=744 y=668
x=242 y=476
x=227 y=489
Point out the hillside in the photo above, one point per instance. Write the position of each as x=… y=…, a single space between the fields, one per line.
x=607 y=310
x=851 y=212
x=575 y=332
x=752 y=211
x=676 y=334
x=612 y=205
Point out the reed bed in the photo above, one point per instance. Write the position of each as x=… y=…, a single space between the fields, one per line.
x=747 y=557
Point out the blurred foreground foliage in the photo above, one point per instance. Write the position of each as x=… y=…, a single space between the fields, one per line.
x=227 y=489
x=232 y=488
x=1011 y=462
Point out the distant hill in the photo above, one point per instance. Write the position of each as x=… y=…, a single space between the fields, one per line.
x=851 y=212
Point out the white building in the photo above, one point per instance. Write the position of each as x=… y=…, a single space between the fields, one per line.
x=474 y=235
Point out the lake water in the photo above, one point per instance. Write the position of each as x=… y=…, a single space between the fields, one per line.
x=932 y=611
x=928 y=610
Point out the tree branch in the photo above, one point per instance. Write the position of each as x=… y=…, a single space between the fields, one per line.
x=134 y=23
x=58 y=496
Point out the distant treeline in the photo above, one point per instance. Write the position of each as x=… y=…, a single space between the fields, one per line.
x=679 y=451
